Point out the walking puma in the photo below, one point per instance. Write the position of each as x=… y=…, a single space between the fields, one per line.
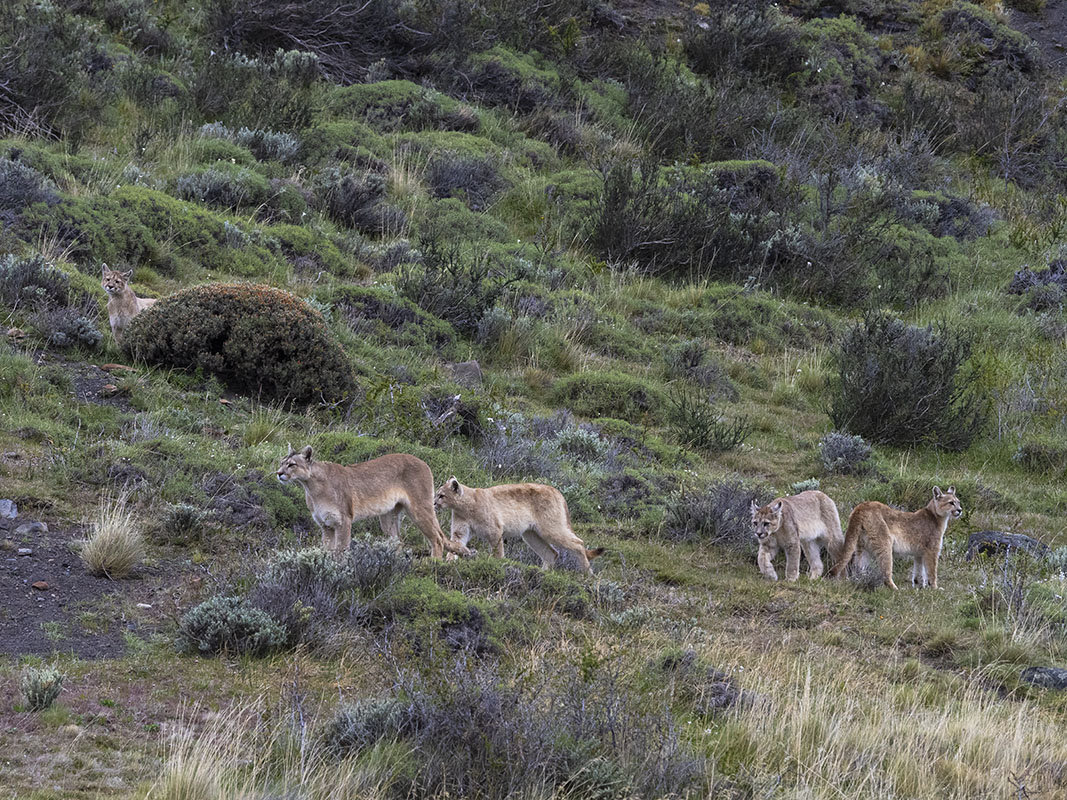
x=535 y=513
x=385 y=487
x=807 y=521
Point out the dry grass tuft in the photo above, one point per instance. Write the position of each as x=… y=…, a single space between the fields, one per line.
x=116 y=544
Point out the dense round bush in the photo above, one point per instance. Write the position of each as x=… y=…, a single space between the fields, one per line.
x=260 y=340
x=905 y=385
x=228 y=625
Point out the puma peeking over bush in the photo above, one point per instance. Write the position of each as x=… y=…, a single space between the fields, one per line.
x=385 y=488
x=804 y=522
x=122 y=304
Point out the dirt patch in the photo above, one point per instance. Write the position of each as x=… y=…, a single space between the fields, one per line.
x=1049 y=29
x=49 y=603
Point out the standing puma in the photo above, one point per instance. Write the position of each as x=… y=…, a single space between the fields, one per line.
x=535 y=513
x=807 y=521
x=882 y=532
x=122 y=304
x=384 y=487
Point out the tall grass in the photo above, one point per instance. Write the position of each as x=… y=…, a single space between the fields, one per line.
x=116 y=544
x=840 y=729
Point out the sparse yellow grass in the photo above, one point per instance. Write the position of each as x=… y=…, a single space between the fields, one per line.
x=116 y=544
x=835 y=728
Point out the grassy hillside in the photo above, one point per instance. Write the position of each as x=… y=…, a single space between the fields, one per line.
x=703 y=255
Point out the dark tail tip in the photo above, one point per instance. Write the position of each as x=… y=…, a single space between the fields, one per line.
x=591 y=554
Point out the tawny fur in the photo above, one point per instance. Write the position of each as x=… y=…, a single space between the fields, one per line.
x=534 y=512
x=122 y=304
x=804 y=522
x=385 y=488
x=880 y=532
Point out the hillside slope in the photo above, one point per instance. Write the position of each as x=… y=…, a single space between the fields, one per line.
x=701 y=255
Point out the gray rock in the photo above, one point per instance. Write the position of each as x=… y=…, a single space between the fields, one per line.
x=8 y=509
x=466 y=373
x=988 y=543
x=24 y=551
x=30 y=528
x=1047 y=677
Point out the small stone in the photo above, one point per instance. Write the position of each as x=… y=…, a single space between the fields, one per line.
x=8 y=509
x=24 y=551
x=16 y=334
x=109 y=389
x=41 y=586
x=144 y=605
x=30 y=528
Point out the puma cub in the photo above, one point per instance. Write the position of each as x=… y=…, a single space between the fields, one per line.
x=122 y=304
x=384 y=487
x=531 y=511
x=807 y=521
x=882 y=532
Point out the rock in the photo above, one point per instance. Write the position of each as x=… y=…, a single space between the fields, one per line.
x=24 y=551
x=466 y=373
x=16 y=334
x=30 y=528
x=40 y=586
x=1046 y=677
x=8 y=509
x=988 y=543
x=109 y=389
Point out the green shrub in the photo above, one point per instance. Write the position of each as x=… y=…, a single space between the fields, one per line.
x=842 y=454
x=395 y=105
x=261 y=340
x=362 y=724
x=698 y=422
x=904 y=385
x=40 y=686
x=396 y=320
x=228 y=625
x=21 y=185
x=226 y=186
x=610 y=394
x=32 y=282
x=357 y=201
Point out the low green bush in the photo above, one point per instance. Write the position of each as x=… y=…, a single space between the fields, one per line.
x=40 y=686
x=226 y=186
x=610 y=394
x=228 y=625
x=260 y=340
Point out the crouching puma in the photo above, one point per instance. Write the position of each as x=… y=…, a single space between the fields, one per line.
x=807 y=521
x=122 y=304
x=385 y=487
x=882 y=532
x=535 y=513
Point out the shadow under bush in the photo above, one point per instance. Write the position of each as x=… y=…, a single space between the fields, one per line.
x=260 y=340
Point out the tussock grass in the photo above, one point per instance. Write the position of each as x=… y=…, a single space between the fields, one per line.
x=840 y=729
x=116 y=545
x=235 y=755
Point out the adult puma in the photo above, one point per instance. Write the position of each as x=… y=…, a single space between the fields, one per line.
x=122 y=304
x=534 y=512
x=807 y=521
x=882 y=532
x=385 y=487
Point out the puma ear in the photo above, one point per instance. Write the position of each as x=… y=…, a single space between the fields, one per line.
x=754 y=508
x=937 y=491
x=103 y=268
x=128 y=275
x=951 y=490
x=777 y=507
x=456 y=488
x=306 y=453
x=291 y=450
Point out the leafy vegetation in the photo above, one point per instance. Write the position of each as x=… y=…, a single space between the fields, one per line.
x=669 y=261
